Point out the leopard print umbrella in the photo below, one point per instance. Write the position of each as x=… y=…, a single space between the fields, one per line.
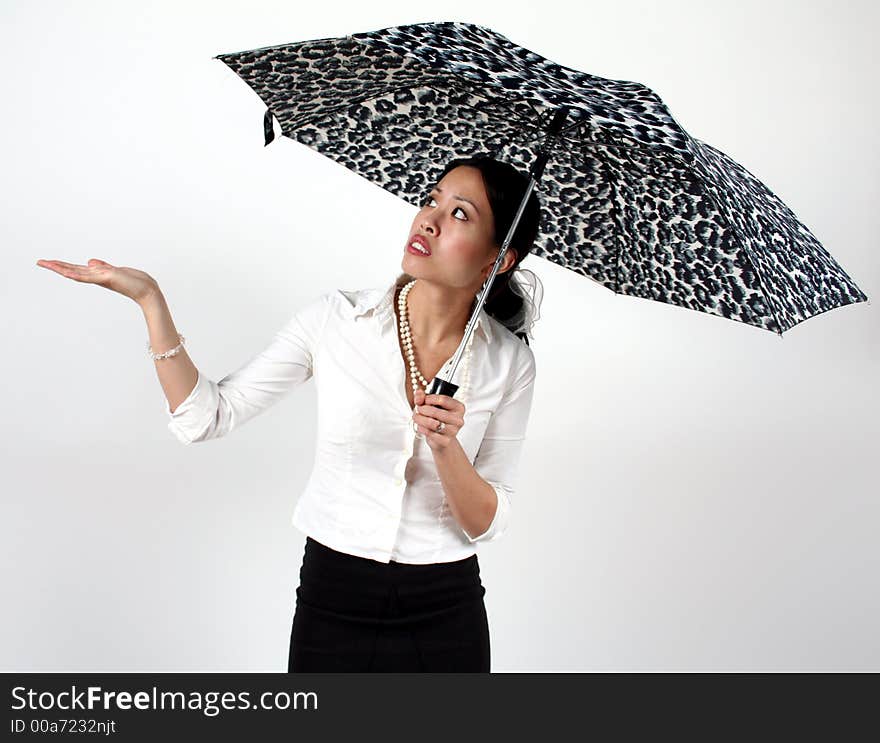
x=628 y=197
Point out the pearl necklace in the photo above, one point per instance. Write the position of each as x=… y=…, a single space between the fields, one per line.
x=416 y=376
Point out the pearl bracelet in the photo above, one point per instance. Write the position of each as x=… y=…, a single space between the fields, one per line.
x=173 y=352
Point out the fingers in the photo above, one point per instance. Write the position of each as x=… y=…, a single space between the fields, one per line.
x=429 y=425
x=440 y=407
x=93 y=263
x=61 y=264
x=432 y=408
x=72 y=270
x=443 y=401
x=428 y=417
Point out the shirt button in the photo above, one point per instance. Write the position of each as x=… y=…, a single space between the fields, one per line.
x=398 y=481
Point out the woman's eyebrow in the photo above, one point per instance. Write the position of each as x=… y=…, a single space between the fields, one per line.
x=456 y=196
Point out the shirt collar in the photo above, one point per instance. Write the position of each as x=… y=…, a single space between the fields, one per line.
x=380 y=300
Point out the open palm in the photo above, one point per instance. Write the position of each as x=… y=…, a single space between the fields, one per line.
x=129 y=282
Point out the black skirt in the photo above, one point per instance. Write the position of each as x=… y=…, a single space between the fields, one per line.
x=354 y=614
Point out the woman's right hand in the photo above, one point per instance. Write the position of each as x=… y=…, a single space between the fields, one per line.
x=129 y=282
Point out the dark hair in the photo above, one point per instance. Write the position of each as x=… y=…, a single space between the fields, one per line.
x=505 y=186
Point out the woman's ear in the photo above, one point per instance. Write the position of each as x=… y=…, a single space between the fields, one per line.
x=509 y=259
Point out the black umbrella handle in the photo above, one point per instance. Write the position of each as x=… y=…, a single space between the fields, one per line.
x=442 y=387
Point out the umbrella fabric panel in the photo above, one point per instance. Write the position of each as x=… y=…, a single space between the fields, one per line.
x=676 y=245
x=797 y=276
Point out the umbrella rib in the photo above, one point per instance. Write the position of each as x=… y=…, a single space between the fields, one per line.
x=580 y=129
x=618 y=231
x=578 y=125
x=748 y=252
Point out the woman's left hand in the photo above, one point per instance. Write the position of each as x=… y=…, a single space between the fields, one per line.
x=431 y=410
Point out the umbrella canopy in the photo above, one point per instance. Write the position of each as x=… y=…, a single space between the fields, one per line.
x=629 y=198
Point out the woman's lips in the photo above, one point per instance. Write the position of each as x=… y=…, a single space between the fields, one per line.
x=416 y=251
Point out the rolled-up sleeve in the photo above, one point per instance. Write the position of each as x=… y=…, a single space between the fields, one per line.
x=213 y=409
x=497 y=459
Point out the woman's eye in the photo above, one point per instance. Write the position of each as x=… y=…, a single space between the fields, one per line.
x=457 y=209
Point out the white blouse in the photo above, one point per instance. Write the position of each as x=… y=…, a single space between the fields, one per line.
x=374 y=490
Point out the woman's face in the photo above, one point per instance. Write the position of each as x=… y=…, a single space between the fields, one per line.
x=459 y=232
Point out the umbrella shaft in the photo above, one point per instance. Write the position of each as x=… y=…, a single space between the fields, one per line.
x=534 y=176
x=484 y=292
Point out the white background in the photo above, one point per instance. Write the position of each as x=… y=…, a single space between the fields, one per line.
x=695 y=494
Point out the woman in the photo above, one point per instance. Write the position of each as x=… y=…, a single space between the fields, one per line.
x=399 y=496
